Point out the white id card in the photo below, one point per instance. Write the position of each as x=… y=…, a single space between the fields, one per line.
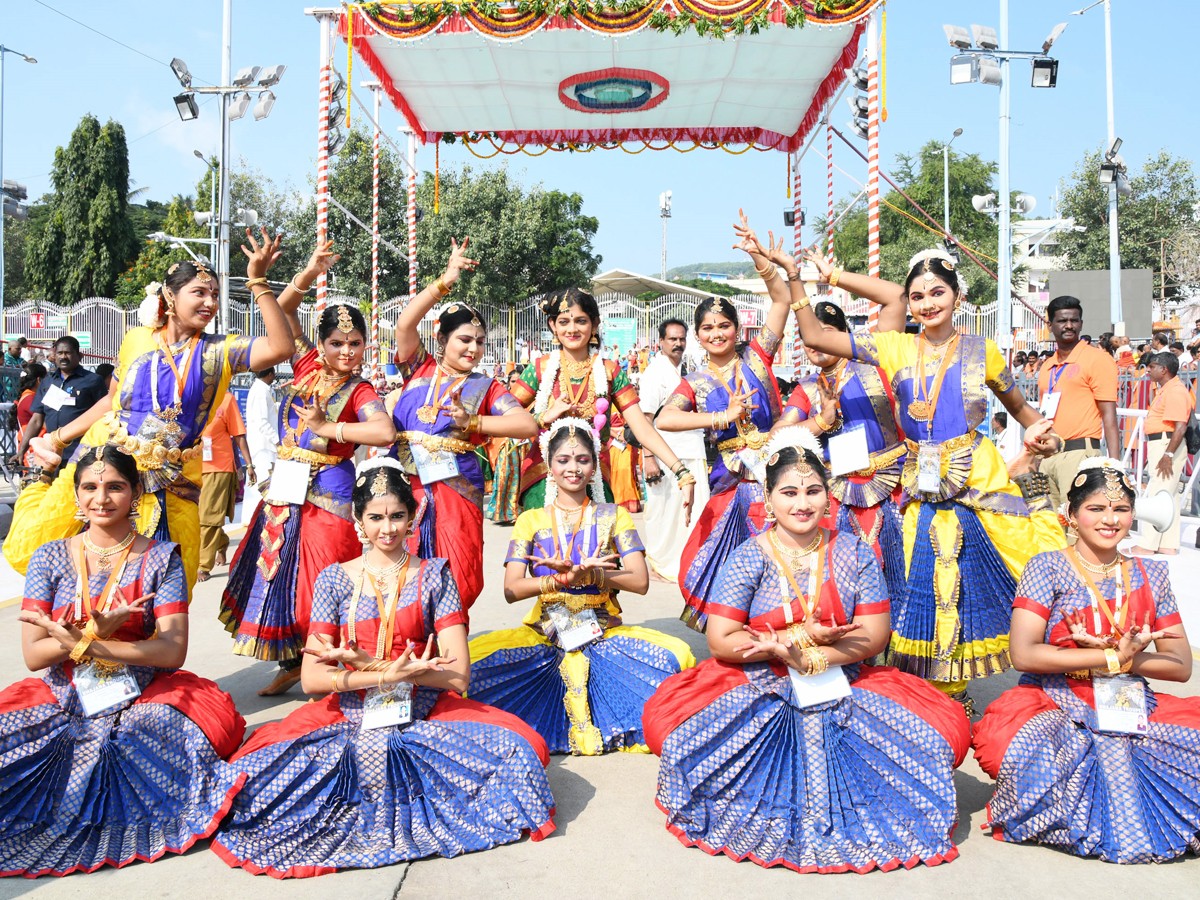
x=289 y=482
x=754 y=464
x=1049 y=404
x=56 y=398
x=434 y=465
x=848 y=451
x=574 y=630
x=386 y=707
x=206 y=453
x=929 y=467
x=103 y=687
x=813 y=690
x=1120 y=704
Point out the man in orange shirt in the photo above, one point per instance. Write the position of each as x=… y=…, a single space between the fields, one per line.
x=219 y=481
x=1077 y=388
x=1166 y=422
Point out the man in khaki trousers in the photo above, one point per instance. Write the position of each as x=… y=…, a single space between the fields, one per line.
x=1166 y=422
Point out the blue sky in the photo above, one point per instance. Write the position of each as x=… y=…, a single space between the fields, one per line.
x=80 y=72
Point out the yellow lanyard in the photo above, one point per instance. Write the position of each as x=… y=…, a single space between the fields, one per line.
x=559 y=538
x=387 y=611
x=927 y=403
x=84 y=602
x=810 y=600
x=189 y=357
x=1099 y=601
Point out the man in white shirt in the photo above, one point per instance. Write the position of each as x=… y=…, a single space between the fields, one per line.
x=262 y=434
x=1007 y=440
x=665 y=534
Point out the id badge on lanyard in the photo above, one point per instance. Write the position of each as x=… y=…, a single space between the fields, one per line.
x=813 y=690
x=1120 y=704
x=387 y=707
x=289 y=482
x=101 y=686
x=574 y=630
x=434 y=465
x=848 y=451
x=929 y=467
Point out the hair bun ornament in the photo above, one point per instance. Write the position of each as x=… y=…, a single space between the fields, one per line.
x=149 y=310
x=932 y=253
x=795 y=436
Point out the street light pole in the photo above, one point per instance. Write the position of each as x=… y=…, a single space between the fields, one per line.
x=214 y=177
x=946 y=181
x=664 y=210
x=28 y=59
x=223 y=233
x=1114 y=250
x=1004 y=201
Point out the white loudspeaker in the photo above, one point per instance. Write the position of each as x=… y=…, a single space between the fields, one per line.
x=1157 y=510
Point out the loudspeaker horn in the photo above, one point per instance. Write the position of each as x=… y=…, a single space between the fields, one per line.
x=1157 y=510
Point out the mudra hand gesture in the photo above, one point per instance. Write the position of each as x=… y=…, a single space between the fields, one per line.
x=1138 y=637
x=311 y=417
x=66 y=634
x=458 y=262
x=778 y=255
x=106 y=623
x=456 y=411
x=321 y=261
x=261 y=256
x=415 y=662
x=826 y=635
x=769 y=642
x=1078 y=634
x=818 y=259
x=582 y=573
x=333 y=654
x=1041 y=440
x=557 y=408
x=747 y=240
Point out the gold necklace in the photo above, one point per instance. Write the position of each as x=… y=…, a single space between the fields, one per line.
x=386 y=573
x=575 y=368
x=795 y=557
x=104 y=555
x=1102 y=569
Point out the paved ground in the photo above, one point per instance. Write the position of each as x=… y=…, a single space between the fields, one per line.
x=610 y=840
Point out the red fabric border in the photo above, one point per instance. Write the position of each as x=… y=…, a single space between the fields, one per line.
x=684 y=694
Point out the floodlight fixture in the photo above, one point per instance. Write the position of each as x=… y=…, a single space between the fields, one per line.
x=964 y=68
x=859 y=127
x=337 y=89
x=1045 y=73
x=858 y=75
x=186 y=106
x=985 y=37
x=1114 y=149
x=791 y=218
x=336 y=111
x=179 y=67
x=1123 y=186
x=246 y=76
x=238 y=104
x=989 y=70
x=1108 y=173
x=262 y=109
x=1054 y=35
x=957 y=36
x=269 y=76
x=336 y=140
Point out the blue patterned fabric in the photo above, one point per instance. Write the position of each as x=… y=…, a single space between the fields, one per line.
x=330 y=796
x=891 y=544
x=135 y=782
x=859 y=784
x=732 y=528
x=623 y=672
x=268 y=603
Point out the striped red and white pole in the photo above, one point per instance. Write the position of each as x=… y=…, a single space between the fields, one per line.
x=829 y=212
x=797 y=247
x=325 y=86
x=411 y=217
x=375 y=357
x=873 y=161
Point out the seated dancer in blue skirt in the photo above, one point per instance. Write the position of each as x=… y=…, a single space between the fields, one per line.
x=1087 y=757
x=783 y=749
x=393 y=764
x=574 y=672
x=114 y=754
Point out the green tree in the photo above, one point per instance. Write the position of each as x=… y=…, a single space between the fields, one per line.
x=154 y=260
x=900 y=237
x=87 y=238
x=1162 y=202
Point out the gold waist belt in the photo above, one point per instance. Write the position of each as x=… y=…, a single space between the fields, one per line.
x=151 y=455
x=882 y=460
x=962 y=442
x=577 y=602
x=435 y=443
x=308 y=456
x=755 y=440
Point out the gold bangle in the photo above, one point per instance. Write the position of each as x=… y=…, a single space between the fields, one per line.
x=334 y=688
x=297 y=287
x=1114 y=661
x=254 y=282
x=55 y=438
x=835 y=275
x=379 y=683
x=818 y=662
x=793 y=276
x=80 y=649
x=685 y=479
x=475 y=425
x=262 y=293
x=800 y=636
x=798 y=305
x=441 y=287
x=337 y=432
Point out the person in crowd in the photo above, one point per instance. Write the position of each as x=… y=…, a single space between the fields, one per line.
x=1181 y=353
x=1166 y=425
x=304 y=524
x=666 y=533
x=1007 y=441
x=392 y=764
x=968 y=530
x=848 y=406
x=262 y=437
x=504 y=503
x=1161 y=342
x=1085 y=339
x=786 y=748
x=106 y=372
x=171 y=377
x=63 y=396
x=219 y=481
x=13 y=363
x=1088 y=757
x=623 y=466
x=113 y=754
x=572 y=380
x=22 y=415
x=573 y=671
x=445 y=410
x=1078 y=393
x=1019 y=360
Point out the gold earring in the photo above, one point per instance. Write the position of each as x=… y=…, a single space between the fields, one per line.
x=769 y=512
x=362 y=535
x=80 y=515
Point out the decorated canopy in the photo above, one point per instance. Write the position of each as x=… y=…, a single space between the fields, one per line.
x=578 y=74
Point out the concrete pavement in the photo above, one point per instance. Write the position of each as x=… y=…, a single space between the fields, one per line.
x=610 y=841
